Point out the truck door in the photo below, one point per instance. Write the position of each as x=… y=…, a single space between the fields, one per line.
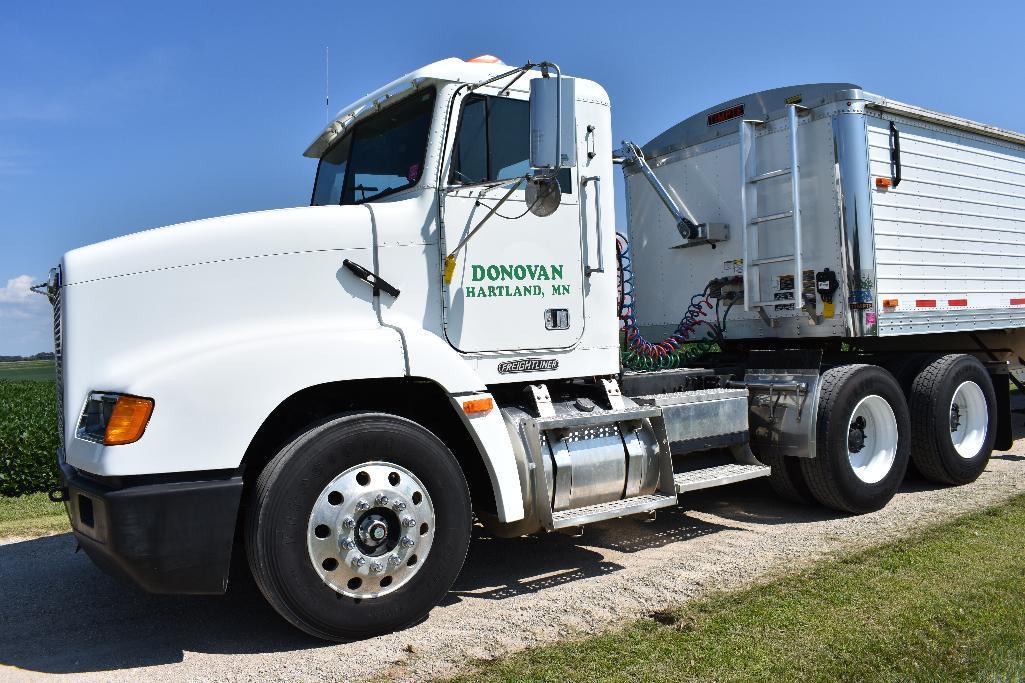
x=518 y=282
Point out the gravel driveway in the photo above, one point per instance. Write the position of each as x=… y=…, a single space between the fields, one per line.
x=60 y=615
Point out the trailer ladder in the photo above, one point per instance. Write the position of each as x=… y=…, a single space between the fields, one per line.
x=748 y=203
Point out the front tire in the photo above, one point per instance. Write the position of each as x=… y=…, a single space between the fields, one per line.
x=358 y=527
x=862 y=444
x=953 y=419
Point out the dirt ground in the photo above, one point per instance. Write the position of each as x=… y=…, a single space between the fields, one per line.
x=61 y=615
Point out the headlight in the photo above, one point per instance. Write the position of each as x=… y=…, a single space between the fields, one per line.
x=114 y=419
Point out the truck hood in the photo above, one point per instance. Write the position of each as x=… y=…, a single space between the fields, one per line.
x=238 y=236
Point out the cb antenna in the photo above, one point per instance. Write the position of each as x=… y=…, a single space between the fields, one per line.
x=327 y=84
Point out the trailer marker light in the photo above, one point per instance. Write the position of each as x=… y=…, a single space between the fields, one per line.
x=890 y=303
x=958 y=302
x=478 y=405
x=128 y=420
x=884 y=183
x=1017 y=302
x=925 y=303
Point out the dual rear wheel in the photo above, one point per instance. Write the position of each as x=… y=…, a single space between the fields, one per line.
x=868 y=431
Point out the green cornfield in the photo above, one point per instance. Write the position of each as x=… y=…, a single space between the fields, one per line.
x=28 y=437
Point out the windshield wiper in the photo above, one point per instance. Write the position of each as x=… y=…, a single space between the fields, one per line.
x=364 y=189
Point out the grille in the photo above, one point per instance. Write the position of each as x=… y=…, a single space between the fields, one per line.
x=58 y=353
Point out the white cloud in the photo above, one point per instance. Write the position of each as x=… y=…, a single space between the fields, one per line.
x=19 y=291
x=25 y=323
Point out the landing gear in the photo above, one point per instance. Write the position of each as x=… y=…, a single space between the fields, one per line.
x=953 y=419
x=359 y=526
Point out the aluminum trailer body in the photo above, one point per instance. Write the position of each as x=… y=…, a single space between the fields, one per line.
x=921 y=216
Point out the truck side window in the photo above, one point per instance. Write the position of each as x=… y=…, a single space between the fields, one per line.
x=470 y=160
x=493 y=142
x=508 y=137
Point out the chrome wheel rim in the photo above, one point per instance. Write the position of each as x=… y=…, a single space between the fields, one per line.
x=370 y=530
x=969 y=419
x=872 y=439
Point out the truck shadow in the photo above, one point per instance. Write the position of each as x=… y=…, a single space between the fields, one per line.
x=500 y=568
x=60 y=614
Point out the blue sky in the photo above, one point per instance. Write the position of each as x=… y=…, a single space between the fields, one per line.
x=116 y=117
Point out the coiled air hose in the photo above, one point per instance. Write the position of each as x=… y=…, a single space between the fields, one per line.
x=676 y=350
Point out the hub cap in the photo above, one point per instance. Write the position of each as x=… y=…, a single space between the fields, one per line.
x=370 y=530
x=969 y=419
x=872 y=439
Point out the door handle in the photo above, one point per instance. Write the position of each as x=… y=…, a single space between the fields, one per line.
x=597 y=219
x=370 y=278
x=894 y=154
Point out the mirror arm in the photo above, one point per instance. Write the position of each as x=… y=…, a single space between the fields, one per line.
x=518 y=71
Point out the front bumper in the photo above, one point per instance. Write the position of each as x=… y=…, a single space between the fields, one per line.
x=174 y=536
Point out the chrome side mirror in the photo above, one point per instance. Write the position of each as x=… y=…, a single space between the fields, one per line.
x=552 y=123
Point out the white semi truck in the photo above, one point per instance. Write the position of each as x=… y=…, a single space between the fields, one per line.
x=818 y=285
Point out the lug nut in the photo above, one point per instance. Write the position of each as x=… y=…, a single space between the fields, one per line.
x=357 y=562
x=394 y=560
x=362 y=505
x=376 y=567
x=398 y=506
x=349 y=523
x=408 y=543
x=408 y=522
x=381 y=500
x=348 y=544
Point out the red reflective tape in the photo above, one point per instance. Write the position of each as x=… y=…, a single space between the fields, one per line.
x=925 y=303
x=1017 y=302
x=958 y=302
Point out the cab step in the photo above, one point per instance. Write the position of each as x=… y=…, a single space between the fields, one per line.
x=617 y=508
x=718 y=476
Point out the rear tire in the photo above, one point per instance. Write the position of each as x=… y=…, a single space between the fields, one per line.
x=787 y=479
x=953 y=419
x=862 y=439
x=405 y=513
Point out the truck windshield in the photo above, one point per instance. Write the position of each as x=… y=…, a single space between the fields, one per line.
x=381 y=154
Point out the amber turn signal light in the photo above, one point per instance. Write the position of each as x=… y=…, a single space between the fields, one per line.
x=128 y=420
x=884 y=183
x=890 y=303
x=478 y=405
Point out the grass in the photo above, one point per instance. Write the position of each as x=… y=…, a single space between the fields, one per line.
x=945 y=605
x=31 y=515
x=28 y=370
